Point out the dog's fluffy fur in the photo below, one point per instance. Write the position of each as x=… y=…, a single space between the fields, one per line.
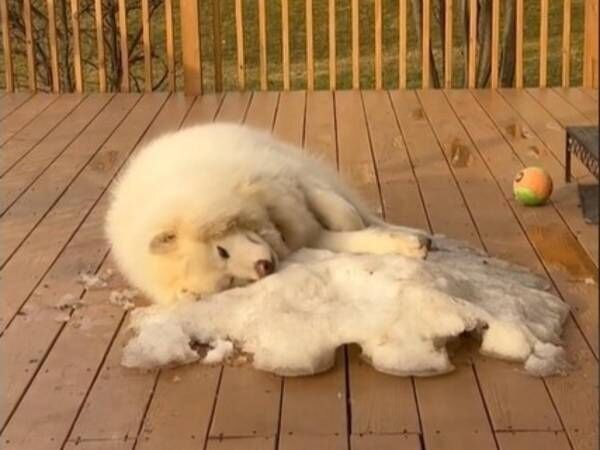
x=195 y=211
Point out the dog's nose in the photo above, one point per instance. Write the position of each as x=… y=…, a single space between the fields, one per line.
x=264 y=267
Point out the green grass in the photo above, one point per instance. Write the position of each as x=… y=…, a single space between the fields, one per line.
x=343 y=43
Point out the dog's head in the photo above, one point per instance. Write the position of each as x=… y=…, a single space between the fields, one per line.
x=184 y=264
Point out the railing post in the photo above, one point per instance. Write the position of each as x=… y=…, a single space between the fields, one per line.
x=590 y=45
x=190 y=46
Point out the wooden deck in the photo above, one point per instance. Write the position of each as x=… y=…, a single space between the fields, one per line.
x=442 y=160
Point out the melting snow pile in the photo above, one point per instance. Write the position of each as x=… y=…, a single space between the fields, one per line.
x=401 y=311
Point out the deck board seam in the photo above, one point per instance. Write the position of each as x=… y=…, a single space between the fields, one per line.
x=43 y=276
x=523 y=163
x=65 y=189
x=30 y=119
x=526 y=235
x=40 y=139
x=50 y=163
x=28 y=97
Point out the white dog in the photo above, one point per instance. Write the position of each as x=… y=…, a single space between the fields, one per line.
x=216 y=206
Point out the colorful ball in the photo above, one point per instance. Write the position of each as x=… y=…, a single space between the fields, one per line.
x=532 y=186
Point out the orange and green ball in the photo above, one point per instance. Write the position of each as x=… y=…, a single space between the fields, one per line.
x=532 y=186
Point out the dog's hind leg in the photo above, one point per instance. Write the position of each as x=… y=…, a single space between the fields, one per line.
x=333 y=211
x=374 y=240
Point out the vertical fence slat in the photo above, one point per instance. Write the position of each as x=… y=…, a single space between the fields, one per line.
x=402 y=44
x=217 y=54
x=494 y=64
x=310 y=52
x=262 y=30
x=448 y=47
x=285 y=43
x=147 y=46
x=566 y=44
x=590 y=44
x=76 y=46
x=123 y=45
x=6 y=47
x=31 y=75
x=543 y=43
x=355 y=46
x=100 y=45
x=170 y=44
x=378 y=44
x=425 y=32
x=472 y=42
x=190 y=43
x=519 y=44
x=332 y=48
x=239 y=39
x=52 y=46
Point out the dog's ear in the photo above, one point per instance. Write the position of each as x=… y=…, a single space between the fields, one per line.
x=164 y=242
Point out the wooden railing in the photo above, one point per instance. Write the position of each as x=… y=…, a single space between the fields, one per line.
x=205 y=45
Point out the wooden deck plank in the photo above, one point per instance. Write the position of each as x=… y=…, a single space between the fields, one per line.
x=482 y=133
x=590 y=92
x=262 y=110
x=10 y=102
x=121 y=409
x=560 y=108
x=386 y=442
x=576 y=396
x=37 y=252
x=181 y=408
x=87 y=334
x=355 y=162
x=32 y=333
x=540 y=122
x=30 y=135
x=567 y=263
x=531 y=151
x=451 y=408
x=399 y=190
x=319 y=133
x=33 y=164
x=444 y=204
x=31 y=208
x=529 y=440
x=316 y=442
x=123 y=414
x=289 y=123
x=181 y=405
x=244 y=391
x=531 y=409
x=26 y=342
x=583 y=103
x=24 y=114
x=104 y=444
x=121 y=396
x=310 y=405
x=315 y=405
x=382 y=403
x=258 y=443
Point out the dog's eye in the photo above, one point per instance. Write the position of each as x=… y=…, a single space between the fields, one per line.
x=222 y=252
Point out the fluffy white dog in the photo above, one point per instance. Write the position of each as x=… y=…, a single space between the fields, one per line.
x=217 y=206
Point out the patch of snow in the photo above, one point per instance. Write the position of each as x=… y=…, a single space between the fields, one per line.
x=92 y=281
x=400 y=311
x=69 y=301
x=219 y=351
x=123 y=298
